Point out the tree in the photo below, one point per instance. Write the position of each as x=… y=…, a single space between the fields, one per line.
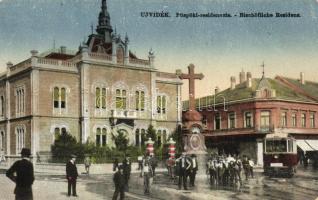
x=121 y=141
x=64 y=146
x=177 y=137
x=151 y=133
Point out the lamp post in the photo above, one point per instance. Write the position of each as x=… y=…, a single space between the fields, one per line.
x=150 y=148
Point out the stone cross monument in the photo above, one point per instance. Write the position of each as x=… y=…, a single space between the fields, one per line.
x=192 y=128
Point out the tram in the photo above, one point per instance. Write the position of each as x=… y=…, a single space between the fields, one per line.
x=280 y=155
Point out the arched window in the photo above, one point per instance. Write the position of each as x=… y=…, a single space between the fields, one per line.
x=140 y=100
x=104 y=137
x=100 y=98
x=161 y=104
x=63 y=97
x=143 y=136
x=56 y=97
x=20 y=100
x=57 y=133
x=121 y=99
x=1 y=106
x=101 y=137
x=2 y=141
x=97 y=97
x=20 y=138
x=59 y=97
x=98 y=134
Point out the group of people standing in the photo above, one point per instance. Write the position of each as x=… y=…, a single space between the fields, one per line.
x=226 y=170
x=183 y=167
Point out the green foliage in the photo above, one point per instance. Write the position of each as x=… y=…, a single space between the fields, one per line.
x=151 y=133
x=121 y=141
x=177 y=137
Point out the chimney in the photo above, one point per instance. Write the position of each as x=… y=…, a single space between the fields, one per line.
x=248 y=79
x=63 y=50
x=233 y=82
x=302 y=78
x=216 y=90
x=242 y=76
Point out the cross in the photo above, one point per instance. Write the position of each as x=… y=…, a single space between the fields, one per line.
x=191 y=76
x=263 y=65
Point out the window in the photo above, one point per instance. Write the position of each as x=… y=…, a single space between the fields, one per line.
x=137 y=135
x=121 y=99
x=204 y=120
x=303 y=120
x=100 y=98
x=161 y=104
x=276 y=146
x=247 y=120
x=265 y=120
x=312 y=120
x=20 y=138
x=101 y=137
x=140 y=100
x=217 y=121
x=140 y=137
x=283 y=119
x=231 y=120
x=2 y=106
x=59 y=97
x=143 y=136
x=20 y=100
x=294 y=119
x=2 y=141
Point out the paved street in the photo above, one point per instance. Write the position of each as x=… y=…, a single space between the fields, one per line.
x=47 y=186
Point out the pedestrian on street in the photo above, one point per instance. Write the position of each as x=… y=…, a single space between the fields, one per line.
x=87 y=163
x=246 y=166
x=115 y=164
x=140 y=159
x=251 y=166
x=127 y=171
x=194 y=169
x=184 y=167
x=22 y=173
x=119 y=181
x=71 y=176
x=153 y=164
x=147 y=176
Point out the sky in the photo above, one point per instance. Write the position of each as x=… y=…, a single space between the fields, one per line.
x=218 y=47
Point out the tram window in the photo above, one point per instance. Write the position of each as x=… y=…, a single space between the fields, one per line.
x=276 y=146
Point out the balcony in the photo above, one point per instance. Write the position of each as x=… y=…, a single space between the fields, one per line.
x=125 y=114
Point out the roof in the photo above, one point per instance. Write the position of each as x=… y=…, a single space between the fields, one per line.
x=311 y=88
x=241 y=92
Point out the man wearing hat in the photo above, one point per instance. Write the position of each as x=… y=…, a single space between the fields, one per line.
x=71 y=176
x=194 y=169
x=119 y=181
x=21 y=172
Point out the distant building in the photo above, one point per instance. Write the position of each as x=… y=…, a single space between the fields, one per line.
x=91 y=94
x=238 y=118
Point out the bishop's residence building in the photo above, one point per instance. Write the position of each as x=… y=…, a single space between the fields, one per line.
x=100 y=89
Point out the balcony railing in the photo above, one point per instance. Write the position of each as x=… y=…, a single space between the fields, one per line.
x=127 y=114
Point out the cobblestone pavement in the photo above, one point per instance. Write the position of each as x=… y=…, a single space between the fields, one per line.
x=304 y=186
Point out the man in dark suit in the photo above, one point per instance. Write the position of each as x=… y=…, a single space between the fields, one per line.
x=71 y=175
x=194 y=169
x=184 y=168
x=24 y=177
x=119 y=181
